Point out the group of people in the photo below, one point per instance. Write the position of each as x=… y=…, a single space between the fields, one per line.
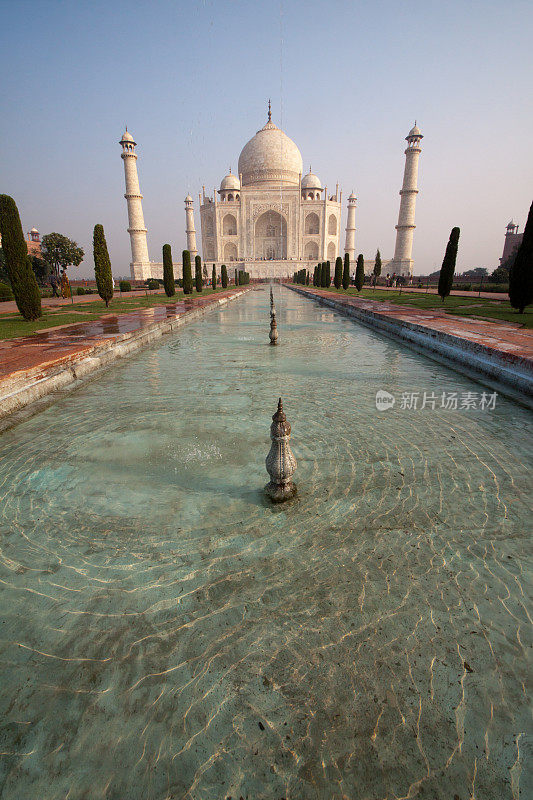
x=62 y=282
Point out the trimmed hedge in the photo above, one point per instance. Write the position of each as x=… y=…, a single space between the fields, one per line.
x=125 y=286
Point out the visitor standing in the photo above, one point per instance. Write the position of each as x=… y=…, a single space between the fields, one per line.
x=54 y=284
x=65 y=285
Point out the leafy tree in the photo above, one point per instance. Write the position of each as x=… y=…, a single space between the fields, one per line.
x=40 y=268
x=102 y=265
x=346 y=271
x=448 y=264
x=500 y=275
x=360 y=272
x=187 y=272
x=223 y=275
x=168 y=272
x=377 y=264
x=198 y=273
x=337 y=280
x=521 y=273
x=214 y=278
x=21 y=275
x=60 y=252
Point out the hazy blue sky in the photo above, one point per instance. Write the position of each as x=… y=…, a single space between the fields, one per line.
x=191 y=80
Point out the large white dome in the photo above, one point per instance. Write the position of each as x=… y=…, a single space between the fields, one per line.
x=270 y=158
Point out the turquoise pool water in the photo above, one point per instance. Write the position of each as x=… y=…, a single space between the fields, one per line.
x=166 y=633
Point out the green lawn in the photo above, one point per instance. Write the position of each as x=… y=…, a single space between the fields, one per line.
x=474 y=306
x=12 y=325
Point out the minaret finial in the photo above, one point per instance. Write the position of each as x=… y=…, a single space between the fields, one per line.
x=269 y=111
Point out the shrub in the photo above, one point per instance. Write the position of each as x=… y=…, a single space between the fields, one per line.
x=168 y=272
x=223 y=275
x=80 y=290
x=198 y=273
x=187 y=272
x=19 y=265
x=5 y=292
x=360 y=272
x=337 y=280
x=102 y=265
x=521 y=273
x=377 y=264
x=346 y=272
x=125 y=286
x=448 y=264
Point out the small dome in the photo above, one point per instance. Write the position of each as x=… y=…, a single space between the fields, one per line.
x=230 y=182
x=511 y=224
x=311 y=181
x=352 y=197
x=127 y=137
x=415 y=131
x=34 y=230
x=188 y=199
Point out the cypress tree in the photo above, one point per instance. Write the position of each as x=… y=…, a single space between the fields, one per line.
x=448 y=264
x=168 y=272
x=214 y=278
x=198 y=273
x=236 y=277
x=328 y=274
x=377 y=264
x=323 y=274
x=187 y=272
x=337 y=280
x=18 y=264
x=346 y=272
x=521 y=273
x=360 y=272
x=102 y=265
x=307 y=278
x=223 y=276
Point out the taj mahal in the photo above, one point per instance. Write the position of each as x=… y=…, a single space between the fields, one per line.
x=270 y=219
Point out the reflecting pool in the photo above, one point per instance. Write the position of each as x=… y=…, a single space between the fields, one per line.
x=167 y=633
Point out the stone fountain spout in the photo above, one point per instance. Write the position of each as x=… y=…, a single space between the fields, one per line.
x=280 y=462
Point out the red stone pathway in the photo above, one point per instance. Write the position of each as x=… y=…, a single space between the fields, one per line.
x=504 y=337
x=35 y=355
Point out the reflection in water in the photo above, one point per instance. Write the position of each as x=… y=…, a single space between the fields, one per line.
x=168 y=633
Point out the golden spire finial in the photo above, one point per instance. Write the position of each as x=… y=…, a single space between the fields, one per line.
x=269 y=111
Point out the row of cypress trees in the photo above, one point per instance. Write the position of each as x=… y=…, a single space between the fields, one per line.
x=302 y=276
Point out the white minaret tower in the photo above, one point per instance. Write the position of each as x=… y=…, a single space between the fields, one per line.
x=402 y=263
x=189 y=227
x=350 y=228
x=140 y=263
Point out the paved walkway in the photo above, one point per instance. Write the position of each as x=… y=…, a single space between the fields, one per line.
x=504 y=337
x=56 y=347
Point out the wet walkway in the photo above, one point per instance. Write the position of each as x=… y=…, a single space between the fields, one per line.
x=33 y=357
x=502 y=337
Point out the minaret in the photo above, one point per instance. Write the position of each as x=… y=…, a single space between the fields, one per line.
x=350 y=228
x=189 y=227
x=402 y=263
x=140 y=263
